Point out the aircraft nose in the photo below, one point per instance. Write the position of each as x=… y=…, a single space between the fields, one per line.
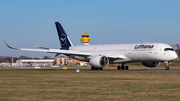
x=174 y=56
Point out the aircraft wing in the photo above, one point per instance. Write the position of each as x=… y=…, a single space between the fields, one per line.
x=117 y=58
x=57 y=51
x=68 y=52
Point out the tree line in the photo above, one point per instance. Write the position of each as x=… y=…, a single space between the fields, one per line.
x=8 y=59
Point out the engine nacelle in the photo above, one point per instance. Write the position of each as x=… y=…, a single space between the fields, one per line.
x=99 y=61
x=151 y=64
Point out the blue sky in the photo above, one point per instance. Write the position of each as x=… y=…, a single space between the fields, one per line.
x=30 y=23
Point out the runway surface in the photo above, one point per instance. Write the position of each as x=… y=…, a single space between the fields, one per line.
x=74 y=69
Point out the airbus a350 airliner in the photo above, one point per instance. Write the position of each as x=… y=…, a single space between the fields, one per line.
x=100 y=56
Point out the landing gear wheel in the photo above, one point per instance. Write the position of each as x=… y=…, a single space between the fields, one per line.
x=118 y=67
x=92 y=68
x=126 y=67
x=166 y=68
x=122 y=67
x=101 y=68
x=167 y=65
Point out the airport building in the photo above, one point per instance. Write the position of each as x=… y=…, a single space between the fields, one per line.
x=85 y=38
x=66 y=61
x=58 y=61
x=21 y=61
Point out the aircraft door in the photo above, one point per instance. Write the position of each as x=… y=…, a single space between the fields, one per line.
x=130 y=50
x=155 y=49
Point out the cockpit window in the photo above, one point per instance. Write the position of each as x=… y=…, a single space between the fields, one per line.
x=168 y=49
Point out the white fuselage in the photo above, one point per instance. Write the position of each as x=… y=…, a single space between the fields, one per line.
x=138 y=52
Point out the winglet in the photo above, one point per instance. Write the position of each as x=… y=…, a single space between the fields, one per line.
x=10 y=46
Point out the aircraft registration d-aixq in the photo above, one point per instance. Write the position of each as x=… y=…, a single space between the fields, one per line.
x=100 y=56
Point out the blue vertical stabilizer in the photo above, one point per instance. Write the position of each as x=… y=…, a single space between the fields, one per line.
x=63 y=38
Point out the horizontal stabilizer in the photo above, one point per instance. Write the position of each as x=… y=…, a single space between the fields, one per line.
x=43 y=48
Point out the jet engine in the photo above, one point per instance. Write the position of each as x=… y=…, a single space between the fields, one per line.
x=99 y=61
x=151 y=64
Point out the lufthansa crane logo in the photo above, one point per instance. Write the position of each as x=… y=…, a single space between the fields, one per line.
x=63 y=39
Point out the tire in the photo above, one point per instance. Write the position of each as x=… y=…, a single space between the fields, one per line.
x=166 y=68
x=118 y=67
x=122 y=67
x=126 y=67
x=92 y=68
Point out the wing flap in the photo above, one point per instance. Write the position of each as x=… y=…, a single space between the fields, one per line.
x=68 y=52
x=115 y=56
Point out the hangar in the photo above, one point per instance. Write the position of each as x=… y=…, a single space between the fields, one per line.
x=21 y=61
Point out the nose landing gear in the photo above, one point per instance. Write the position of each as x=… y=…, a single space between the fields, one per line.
x=167 y=65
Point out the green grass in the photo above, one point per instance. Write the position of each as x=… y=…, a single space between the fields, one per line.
x=89 y=85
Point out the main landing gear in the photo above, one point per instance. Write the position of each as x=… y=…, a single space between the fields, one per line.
x=122 y=67
x=95 y=68
x=167 y=65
